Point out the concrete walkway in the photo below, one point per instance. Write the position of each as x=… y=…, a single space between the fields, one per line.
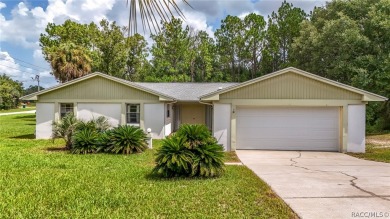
x=15 y=113
x=324 y=184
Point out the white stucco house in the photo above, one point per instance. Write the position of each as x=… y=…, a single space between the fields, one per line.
x=286 y=110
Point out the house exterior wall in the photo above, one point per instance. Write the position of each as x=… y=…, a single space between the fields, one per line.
x=291 y=86
x=356 y=128
x=98 y=88
x=89 y=111
x=44 y=120
x=221 y=124
x=154 y=119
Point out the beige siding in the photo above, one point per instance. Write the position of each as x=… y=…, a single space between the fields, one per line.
x=291 y=86
x=98 y=88
x=193 y=114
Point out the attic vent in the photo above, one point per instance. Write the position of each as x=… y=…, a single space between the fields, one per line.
x=219 y=88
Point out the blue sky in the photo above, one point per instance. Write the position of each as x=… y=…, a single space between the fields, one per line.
x=21 y=23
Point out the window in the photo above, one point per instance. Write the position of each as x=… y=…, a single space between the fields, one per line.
x=132 y=114
x=66 y=108
x=168 y=110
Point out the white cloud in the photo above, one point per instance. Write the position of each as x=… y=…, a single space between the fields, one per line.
x=8 y=65
x=2 y=5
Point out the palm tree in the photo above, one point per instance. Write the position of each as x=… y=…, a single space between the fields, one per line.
x=150 y=11
x=69 y=61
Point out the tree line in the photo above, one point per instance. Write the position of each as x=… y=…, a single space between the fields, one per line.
x=347 y=41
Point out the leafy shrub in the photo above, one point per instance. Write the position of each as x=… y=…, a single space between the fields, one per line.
x=65 y=129
x=196 y=135
x=85 y=141
x=174 y=158
x=208 y=160
x=100 y=124
x=126 y=140
x=192 y=151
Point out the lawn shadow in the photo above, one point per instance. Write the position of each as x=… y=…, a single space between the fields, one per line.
x=26 y=118
x=28 y=136
x=54 y=149
x=158 y=178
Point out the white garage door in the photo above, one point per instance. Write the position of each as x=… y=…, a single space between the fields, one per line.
x=288 y=128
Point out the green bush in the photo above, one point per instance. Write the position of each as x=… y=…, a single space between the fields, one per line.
x=173 y=158
x=196 y=135
x=126 y=140
x=85 y=141
x=192 y=151
x=65 y=129
x=100 y=124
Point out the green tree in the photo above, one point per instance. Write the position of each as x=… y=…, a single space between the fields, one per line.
x=69 y=61
x=137 y=65
x=348 y=41
x=283 y=27
x=231 y=46
x=69 y=32
x=205 y=58
x=32 y=89
x=254 y=38
x=111 y=46
x=10 y=92
x=169 y=53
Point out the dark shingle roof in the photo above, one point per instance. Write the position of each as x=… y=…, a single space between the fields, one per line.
x=185 y=91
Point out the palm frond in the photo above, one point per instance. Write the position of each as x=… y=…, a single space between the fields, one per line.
x=151 y=12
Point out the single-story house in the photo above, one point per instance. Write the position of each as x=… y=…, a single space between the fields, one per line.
x=286 y=110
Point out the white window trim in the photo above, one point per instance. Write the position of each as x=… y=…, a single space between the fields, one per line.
x=138 y=111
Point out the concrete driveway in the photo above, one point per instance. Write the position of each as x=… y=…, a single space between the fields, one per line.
x=324 y=184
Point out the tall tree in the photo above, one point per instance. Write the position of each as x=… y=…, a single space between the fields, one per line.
x=69 y=61
x=137 y=65
x=254 y=37
x=10 y=92
x=231 y=46
x=111 y=45
x=169 y=51
x=283 y=27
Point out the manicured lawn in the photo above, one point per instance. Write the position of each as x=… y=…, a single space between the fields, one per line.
x=377 y=148
x=18 y=110
x=38 y=180
x=231 y=156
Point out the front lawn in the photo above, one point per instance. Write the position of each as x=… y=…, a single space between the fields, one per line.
x=377 y=148
x=18 y=109
x=39 y=180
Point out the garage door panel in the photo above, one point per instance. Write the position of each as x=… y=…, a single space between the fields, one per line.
x=271 y=144
x=287 y=122
x=288 y=128
x=289 y=133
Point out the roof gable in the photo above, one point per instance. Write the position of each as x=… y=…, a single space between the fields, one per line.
x=292 y=83
x=91 y=87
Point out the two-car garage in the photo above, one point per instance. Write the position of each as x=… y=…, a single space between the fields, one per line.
x=288 y=128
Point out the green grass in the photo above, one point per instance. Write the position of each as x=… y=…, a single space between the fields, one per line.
x=39 y=180
x=377 y=148
x=231 y=156
x=18 y=110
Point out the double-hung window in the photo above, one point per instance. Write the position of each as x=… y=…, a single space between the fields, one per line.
x=66 y=108
x=133 y=114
